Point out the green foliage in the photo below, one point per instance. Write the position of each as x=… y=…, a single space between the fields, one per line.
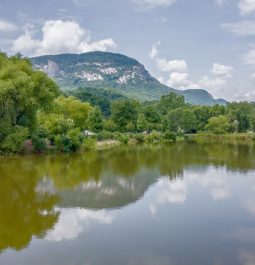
x=88 y=143
x=142 y=123
x=98 y=97
x=124 y=112
x=23 y=92
x=154 y=137
x=95 y=120
x=55 y=123
x=13 y=142
x=104 y=135
x=109 y=125
x=170 y=136
x=70 y=142
x=39 y=139
x=180 y=118
x=170 y=102
x=123 y=138
x=218 y=125
x=72 y=108
x=242 y=114
x=139 y=137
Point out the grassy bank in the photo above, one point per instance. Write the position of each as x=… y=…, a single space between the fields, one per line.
x=229 y=138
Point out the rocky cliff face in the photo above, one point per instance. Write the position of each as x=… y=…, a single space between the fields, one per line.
x=110 y=70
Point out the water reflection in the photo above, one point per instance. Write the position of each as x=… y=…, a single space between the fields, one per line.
x=24 y=213
x=158 y=198
x=72 y=222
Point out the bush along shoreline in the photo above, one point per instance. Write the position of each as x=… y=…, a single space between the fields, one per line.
x=36 y=116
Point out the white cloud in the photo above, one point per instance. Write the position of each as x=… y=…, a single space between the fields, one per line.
x=172 y=65
x=178 y=74
x=154 y=50
x=165 y=65
x=6 y=26
x=212 y=84
x=150 y=4
x=246 y=6
x=181 y=81
x=242 y=28
x=60 y=36
x=221 y=70
x=253 y=76
x=72 y=222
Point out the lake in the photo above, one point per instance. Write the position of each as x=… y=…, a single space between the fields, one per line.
x=177 y=204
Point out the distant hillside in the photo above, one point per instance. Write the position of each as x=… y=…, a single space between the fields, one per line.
x=110 y=70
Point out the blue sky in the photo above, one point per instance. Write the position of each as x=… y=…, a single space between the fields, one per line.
x=207 y=44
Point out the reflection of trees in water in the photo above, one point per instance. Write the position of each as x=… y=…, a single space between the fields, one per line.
x=23 y=212
x=119 y=176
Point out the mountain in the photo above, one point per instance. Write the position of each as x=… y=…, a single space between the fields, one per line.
x=114 y=71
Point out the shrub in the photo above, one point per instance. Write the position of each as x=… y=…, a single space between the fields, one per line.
x=39 y=139
x=70 y=142
x=109 y=125
x=75 y=138
x=104 y=135
x=170 y=136
x=88 y=143
x=123 y=138
x=13 y=142
x=154 y=137
x=139 y=137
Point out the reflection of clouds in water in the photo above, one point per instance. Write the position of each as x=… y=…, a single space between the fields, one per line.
x=214 y=179
x=220 y=194
x=172 y=192
x=175 y=191
x=247 y=257
x=72 y=222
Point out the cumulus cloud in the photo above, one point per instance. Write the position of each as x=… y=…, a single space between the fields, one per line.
x=242 y=28
x=171 y=65
x=178 y=74
x=181 y=81
x=60 y=36
x=246 y=7
x=212 y=84
x=165 y=65
x=150 y=4
x=6 y=26
x=222 y=70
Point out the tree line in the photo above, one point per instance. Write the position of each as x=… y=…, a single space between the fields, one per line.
x=33 y=110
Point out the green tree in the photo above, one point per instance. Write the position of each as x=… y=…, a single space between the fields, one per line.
x=95 y=120
x=170 y=102
x=181 y=119
x=124 y=112
x=142 y=123
x=218 y=125
x=73 y=108
x=23 y=92
x=243 y=114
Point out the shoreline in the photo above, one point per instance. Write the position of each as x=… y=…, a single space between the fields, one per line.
x=203 y=138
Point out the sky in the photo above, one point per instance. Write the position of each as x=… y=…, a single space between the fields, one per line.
x=208 y=44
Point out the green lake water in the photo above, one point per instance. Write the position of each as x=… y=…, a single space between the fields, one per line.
x=176 y=204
